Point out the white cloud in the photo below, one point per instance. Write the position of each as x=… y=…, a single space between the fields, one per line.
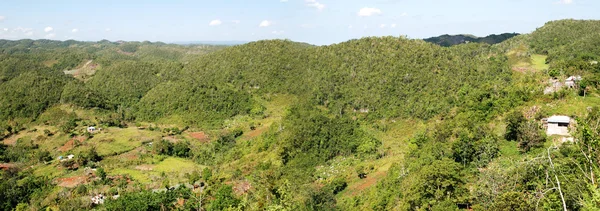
x=404 y=14
x=236 y=21
x=350 y=26
x=315 y=4
x=283 y=0
x=29 y=33
x=75 y=30
x=277 y=32
x=107 y=29
x=5 y=29
x=50 y=36
x=368 y=11
x=382 y=25
x=565 y=2
x=307 y=26
x=393 y=25
x=215 y=22
x=2 y=18
x=265 y=23
x=48 y=29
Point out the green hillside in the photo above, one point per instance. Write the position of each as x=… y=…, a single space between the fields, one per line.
x=378 y=123
x=451 y=40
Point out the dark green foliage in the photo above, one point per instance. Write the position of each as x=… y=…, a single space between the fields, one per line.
x=530 y=135
x=310 y=135
x=206 y=174
x=69 y=125
x=147 y=200
x=162 y=147
x=43 y=156
x=324 y=198
x=514 y=121
x=19 y=188
x=29 y=94
x=75 y=92
x=181 y=149
x=224 y=199
x=435 y=182
x=450 y=40
x=196 y=104
x=512 y=201
x=125 y=83
x=129 y=47
x=100 y=173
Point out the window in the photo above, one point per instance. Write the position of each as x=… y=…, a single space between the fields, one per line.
x=563 y=124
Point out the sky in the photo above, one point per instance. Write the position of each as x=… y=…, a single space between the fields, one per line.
x=319 y=22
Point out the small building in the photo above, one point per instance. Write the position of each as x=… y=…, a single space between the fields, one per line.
x=558 y=125
x=91 y=129
x=71 y=156
x=572 y=81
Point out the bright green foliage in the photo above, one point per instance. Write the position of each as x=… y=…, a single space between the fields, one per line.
x=147 y=200
x=29 y=94
x=224 y=199
x=197 y=104
x=514 y=121
x=310 y=135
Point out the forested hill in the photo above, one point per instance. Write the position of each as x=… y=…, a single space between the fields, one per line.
x=450 y=40
x=377 y=123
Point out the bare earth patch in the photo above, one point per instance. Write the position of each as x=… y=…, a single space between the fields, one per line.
x=241 y=187
x=200 y=136
x=257 y=132
x=12 y=140
x=71 y=182
x=5 y=166
x=367 y=182
x=71 y=143
x=144 y=167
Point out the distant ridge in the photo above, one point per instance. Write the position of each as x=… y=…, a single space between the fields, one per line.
x=230 y=43
x=450 y=40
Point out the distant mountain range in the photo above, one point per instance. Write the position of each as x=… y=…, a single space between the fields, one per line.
x=450 y=40
x=231 y=43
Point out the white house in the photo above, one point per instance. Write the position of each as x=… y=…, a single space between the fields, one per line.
x=558 y=125
x=91 y=129
x=572 y=81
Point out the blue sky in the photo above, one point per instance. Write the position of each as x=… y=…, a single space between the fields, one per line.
x=313 y=21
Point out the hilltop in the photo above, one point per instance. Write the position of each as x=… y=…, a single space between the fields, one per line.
x=450 y=40
x=378 y=123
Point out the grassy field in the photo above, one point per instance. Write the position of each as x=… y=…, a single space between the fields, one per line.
x=113 y=141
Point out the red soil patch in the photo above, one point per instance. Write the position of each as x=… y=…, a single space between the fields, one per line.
x=71 y=143
x=6 y=166
x=71 y=182
x=367 y=182
x=201 y=136
x=257 y=132
x=11 y=141
x=241 y=187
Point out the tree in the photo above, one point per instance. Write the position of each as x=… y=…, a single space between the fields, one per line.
x=514 y=121
x=530 y=135
x=224 y=199
x=100 y=173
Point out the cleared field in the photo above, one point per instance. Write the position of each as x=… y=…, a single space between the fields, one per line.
x=115 y=141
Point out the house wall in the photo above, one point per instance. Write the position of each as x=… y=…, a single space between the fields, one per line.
x=554 y=129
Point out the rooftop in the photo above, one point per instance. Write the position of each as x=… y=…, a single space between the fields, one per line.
x=559 y=119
